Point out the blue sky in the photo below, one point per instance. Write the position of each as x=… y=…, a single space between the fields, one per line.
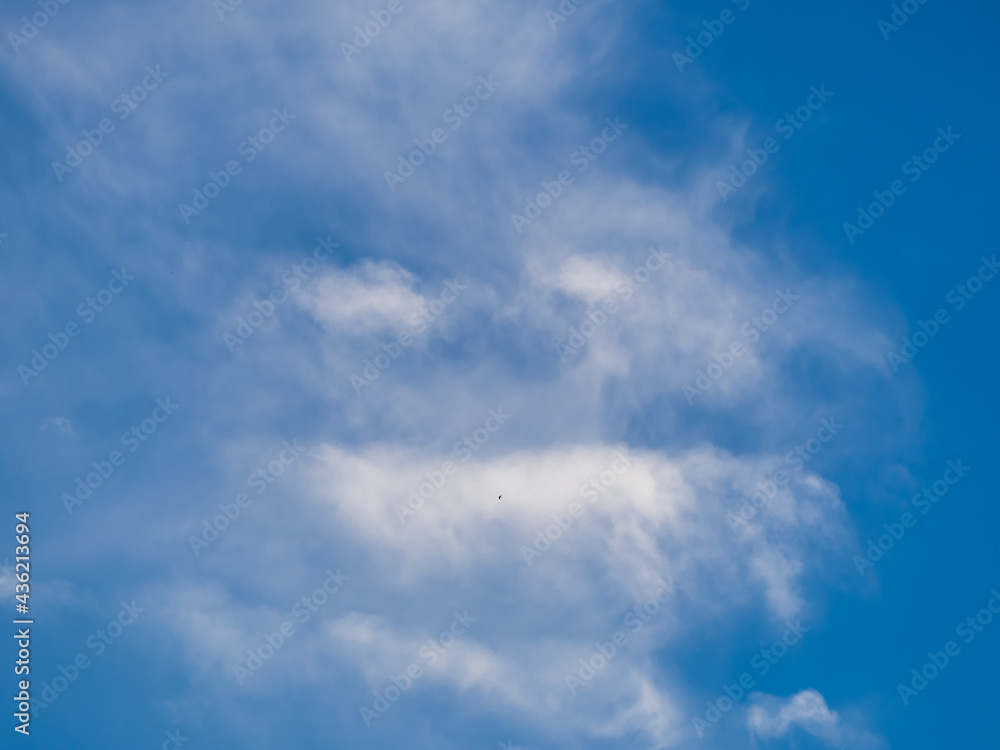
x=300 y=303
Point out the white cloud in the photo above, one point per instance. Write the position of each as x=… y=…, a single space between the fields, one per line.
x=374 y=297
x=663 y=516
x=771 y=718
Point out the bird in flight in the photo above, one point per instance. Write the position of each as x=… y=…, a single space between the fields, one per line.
x=499 y=497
